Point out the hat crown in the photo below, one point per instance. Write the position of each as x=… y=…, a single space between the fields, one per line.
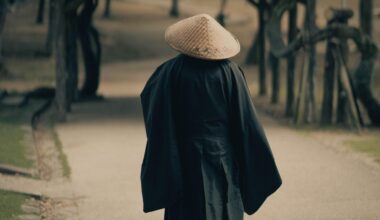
x=202 y=36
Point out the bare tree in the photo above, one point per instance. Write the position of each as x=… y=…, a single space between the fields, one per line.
x=275 y=64
x=262 y=51
x=66 y=55
x=257 y=51
x=174 y=11
x=335 y=16
x=52 y=27
x=362 y=75
x=366 y=16
x=253 y=51
x=310 y=28
x=291 y=62
x=107 y=9
x=91 y=49
x=71 y=47
x=61 y=98
x=221 y=16
x=70 y=27
x=3 y=15
x=40 y=12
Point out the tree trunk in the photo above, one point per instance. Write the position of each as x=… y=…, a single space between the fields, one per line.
x=107 y=9
x=262 y=52
x=363 y=75
x=52 y=27
x=40 y=12
x=3 y=14
x=221 y=16
x=332 y=66
x=342 y=117
x=299 y=116
x=274 y=63
x=253 y=52
x=352 y=109
x=328 y=86
x=91 y=49
x=366 y=16
x=310 y=27
x=363 y=79
x=174 y=11
x=71 y=56
x=368 y=49
x=291 y=62
x=61 y=100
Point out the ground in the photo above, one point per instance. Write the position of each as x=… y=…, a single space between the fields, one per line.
x=12 y=204
x=104 y=141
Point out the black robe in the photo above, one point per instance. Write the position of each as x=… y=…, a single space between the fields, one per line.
x=207 y=157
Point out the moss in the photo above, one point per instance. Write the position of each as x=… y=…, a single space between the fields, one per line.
x=13 y=148
x=10 y=204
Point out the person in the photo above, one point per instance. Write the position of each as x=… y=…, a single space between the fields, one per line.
x=207 y=157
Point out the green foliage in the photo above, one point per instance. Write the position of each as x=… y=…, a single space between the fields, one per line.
x=10 y=204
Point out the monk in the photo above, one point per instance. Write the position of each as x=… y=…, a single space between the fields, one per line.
x=207 y=157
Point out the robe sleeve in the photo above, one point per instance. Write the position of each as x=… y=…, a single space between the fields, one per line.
x=258 y=173
x=161 y=179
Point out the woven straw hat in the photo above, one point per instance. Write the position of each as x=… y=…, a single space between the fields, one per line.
x=201 y=36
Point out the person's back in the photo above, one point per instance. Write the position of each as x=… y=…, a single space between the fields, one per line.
x=202 y=109
x=207 y=157
x=202 y=98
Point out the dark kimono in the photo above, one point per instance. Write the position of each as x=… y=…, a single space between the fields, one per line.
x=207 y=157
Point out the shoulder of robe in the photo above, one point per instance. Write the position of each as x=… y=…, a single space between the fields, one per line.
x=236 y=71
x=159 y=73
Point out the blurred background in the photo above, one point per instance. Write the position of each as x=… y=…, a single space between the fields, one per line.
x=71 y=130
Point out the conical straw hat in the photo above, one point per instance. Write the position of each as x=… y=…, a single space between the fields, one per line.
x=201 y=36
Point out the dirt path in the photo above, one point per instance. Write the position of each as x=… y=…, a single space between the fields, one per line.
x=105 y=141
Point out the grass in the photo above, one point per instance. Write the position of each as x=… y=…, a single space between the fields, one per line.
x=62 y=156
x=10 y=204
x=370 y=146
x=13 y=148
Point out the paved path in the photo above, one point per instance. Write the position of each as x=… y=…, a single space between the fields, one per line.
x=105 y=141
x=59 y=188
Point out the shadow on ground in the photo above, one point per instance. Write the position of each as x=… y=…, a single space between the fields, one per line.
x=109 y=109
